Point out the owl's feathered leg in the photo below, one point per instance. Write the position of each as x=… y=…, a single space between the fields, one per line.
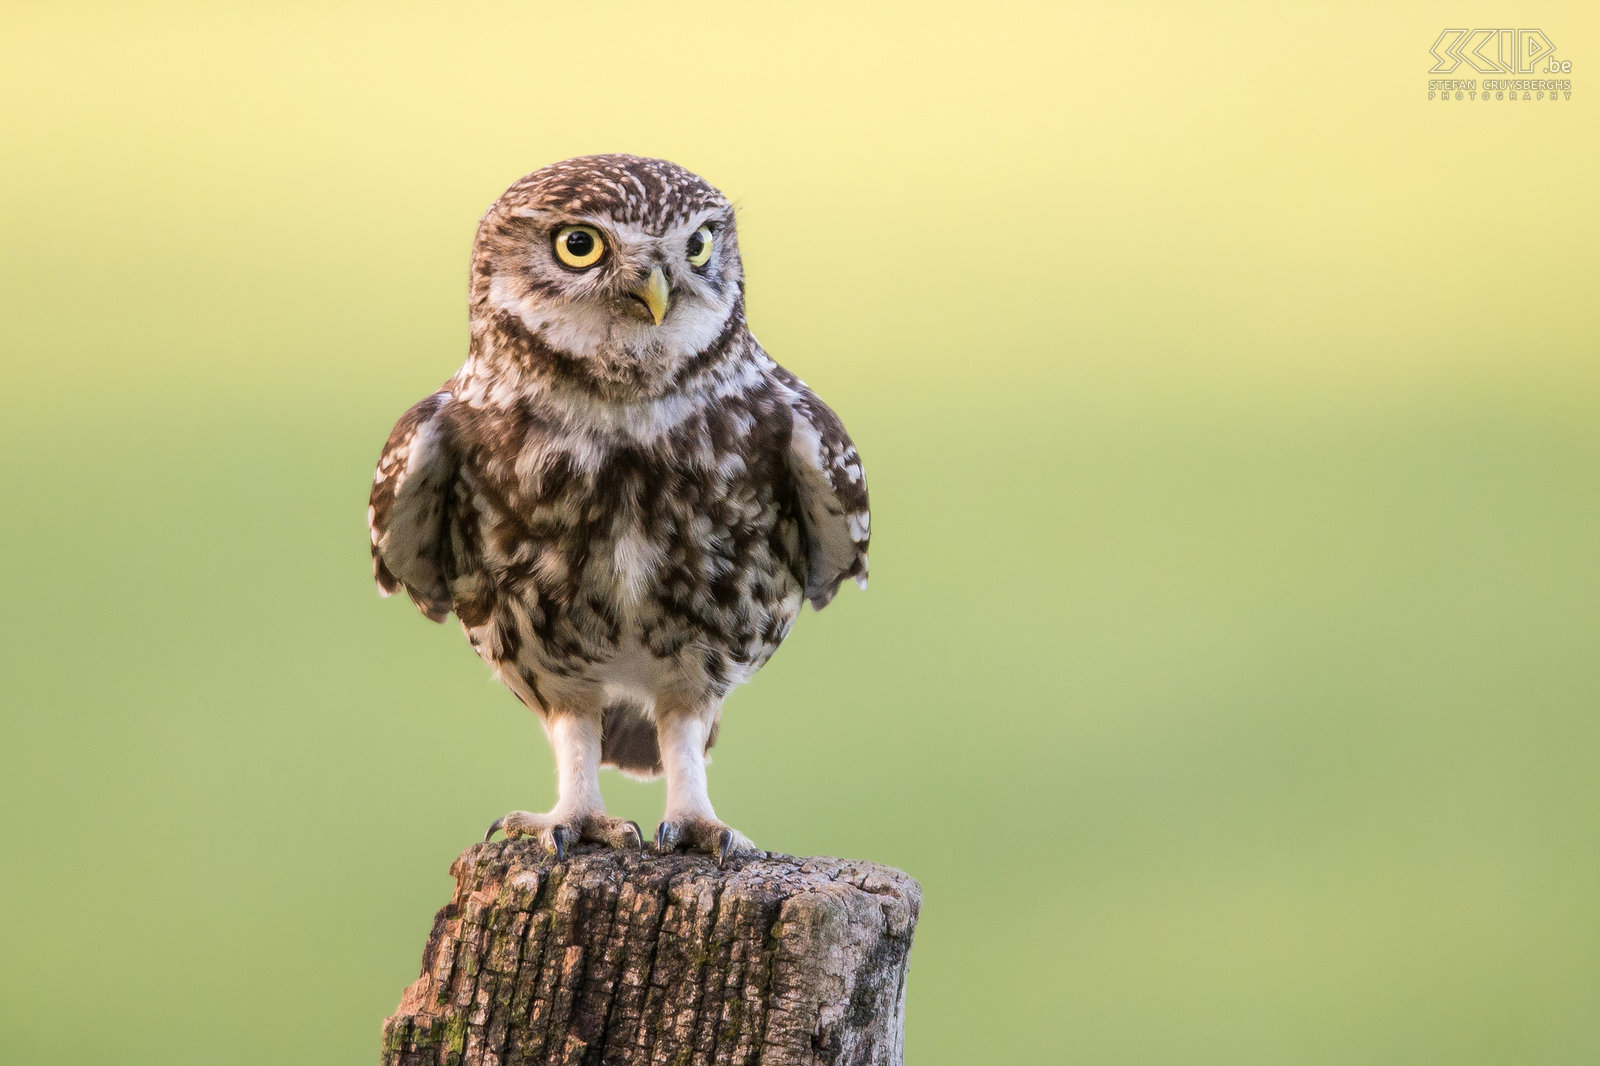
x=684 y=733
x=580 y=812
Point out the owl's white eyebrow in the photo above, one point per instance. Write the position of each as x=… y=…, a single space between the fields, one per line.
x=713 y=221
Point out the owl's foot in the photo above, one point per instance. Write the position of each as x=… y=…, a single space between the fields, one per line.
x=703 y=834
x=559 y=830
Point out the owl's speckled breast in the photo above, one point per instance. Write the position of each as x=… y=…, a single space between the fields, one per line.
x=669 y=563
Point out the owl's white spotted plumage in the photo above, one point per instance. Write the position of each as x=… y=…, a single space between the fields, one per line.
x=621 y=497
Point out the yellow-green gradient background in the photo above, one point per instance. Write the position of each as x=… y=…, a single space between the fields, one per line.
x=1229 y=672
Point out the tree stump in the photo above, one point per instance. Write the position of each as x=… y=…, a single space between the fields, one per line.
x=626 y=957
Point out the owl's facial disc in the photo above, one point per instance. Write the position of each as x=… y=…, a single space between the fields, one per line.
x=637 y=272
x=636 y=284
x=630 y=296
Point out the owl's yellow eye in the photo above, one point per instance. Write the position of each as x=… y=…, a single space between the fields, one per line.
x=700 y=246
x=579 y=246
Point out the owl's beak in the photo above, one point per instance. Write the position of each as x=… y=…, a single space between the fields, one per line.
x=654 y=295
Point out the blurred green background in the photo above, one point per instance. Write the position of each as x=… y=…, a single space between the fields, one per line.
x=1232 y=413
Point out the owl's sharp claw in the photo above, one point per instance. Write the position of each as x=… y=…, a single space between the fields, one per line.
x=705 y=835
x=560 y=830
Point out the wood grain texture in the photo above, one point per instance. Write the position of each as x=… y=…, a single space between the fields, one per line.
x=626 y=957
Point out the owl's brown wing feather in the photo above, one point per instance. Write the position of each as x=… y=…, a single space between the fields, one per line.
x=832 y=489
x=413 y=493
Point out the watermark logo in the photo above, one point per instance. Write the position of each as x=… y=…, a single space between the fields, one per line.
x=1508 y=52
x=1517 y=52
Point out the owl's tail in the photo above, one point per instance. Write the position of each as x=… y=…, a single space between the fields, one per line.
x=628 y=741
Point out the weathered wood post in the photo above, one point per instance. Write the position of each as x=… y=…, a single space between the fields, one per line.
x=626 y=957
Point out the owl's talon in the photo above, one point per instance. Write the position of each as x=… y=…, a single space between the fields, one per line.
x=560 y=830
x=704 y=835
x=638 y=834
x=558 y=841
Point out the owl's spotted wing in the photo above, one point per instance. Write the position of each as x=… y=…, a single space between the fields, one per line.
x=413 y=494
x=832 y=490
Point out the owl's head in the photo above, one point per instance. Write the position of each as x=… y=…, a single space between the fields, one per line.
x=623 y=266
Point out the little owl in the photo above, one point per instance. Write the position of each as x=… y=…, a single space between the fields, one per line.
x=619 y=494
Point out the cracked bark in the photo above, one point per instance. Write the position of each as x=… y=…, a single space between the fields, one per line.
x=628 y=958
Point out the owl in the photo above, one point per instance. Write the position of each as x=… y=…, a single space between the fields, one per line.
x=621 y=497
